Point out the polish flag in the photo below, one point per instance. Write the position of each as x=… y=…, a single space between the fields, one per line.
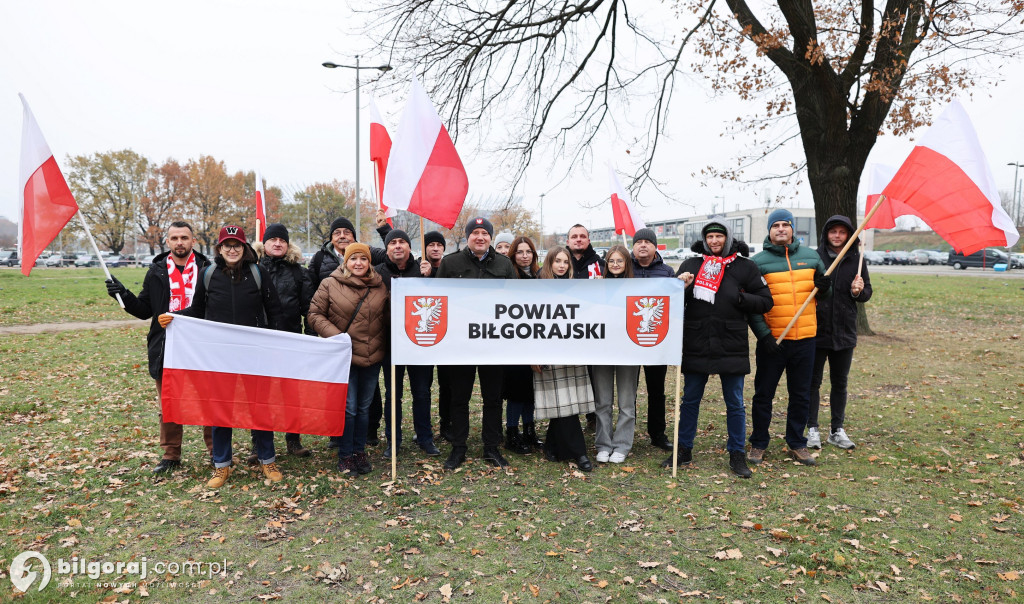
x=946 y=181
x=626 y=217
x=261 y=208
x=47 y=202
x=426 y=176
x=218 y=374
x=380 y=149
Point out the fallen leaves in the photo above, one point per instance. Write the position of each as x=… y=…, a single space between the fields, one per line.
x=729 y=554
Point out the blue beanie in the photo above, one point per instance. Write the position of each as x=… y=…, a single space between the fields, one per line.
x=780 y=215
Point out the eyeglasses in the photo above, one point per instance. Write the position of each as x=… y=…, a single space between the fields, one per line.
x=616 y=261
x=232 y=246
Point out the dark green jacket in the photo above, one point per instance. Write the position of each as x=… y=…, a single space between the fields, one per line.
x=463 y=264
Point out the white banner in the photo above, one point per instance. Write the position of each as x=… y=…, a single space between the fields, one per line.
x=537 y=322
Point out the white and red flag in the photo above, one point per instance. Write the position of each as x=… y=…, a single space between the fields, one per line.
x=46 y=203
x=218 y=374
x=380 y=149
x=626 y=217
x=425 y=175
x=261 y=208
x=946 y=181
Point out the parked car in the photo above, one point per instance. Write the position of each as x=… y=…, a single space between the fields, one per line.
x=920 y=257
x=982 y=259
x=873 y=257
x=669 y=254
x=86 y=260
x=897 y=257
x=9 y=258
x=115 y=261
x=145 y=260
x=937 y=257
x=54 y=260
x=1018 y=260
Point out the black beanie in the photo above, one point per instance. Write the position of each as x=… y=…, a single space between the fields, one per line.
x=396 y=234
x=275 y=229
x=343 y=223
x=479 y=223
x=434 y=237
x=646 y=234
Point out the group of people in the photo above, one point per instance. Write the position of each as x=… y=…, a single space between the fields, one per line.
x=346 y=290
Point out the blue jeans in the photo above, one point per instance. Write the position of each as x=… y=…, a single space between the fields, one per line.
x=735 y=416
x=362 y=381
x=263 y=440
x=421 y=378
x=796 y=360
x=516 y=410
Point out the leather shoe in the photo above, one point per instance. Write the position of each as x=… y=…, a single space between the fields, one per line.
x=662 y=443
x=455 y=459
x=166 y=465
x=583 y=463
x=429 y=448
x=493 y=456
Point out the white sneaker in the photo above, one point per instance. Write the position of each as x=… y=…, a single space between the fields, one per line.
x=602 y=456
x=841 y=440
x=617 y=457
x=813 y=438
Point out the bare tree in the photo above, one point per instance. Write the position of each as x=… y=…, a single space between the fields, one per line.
x=848 y=71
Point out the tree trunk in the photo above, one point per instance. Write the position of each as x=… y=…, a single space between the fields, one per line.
x=863 y=329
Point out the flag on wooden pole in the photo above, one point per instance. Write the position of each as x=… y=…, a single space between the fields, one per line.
x=380 y=150
x=425 y=174
x=946 y=181
x=261 y=208
x=46 y=200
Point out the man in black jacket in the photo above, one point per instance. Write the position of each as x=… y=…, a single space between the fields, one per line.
x=586 y=264
x=722 y=287
x=282 y=260
x=169 y=284
x=399 y=264
x=477 y=260
x=647 y=263
x=343 y=233
x=837 y=328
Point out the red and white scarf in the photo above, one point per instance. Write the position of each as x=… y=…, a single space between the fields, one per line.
x=594 y=271
x=709 y=277
x=183 y=283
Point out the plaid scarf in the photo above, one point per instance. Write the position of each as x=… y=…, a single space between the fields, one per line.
x=709 y=277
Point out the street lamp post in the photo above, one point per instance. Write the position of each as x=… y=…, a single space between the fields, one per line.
x=542 y=219
x=357 y=67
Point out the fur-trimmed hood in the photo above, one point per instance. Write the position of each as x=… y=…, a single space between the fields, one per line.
x=293 y=255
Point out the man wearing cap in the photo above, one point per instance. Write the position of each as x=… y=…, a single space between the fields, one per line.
x=791 y=271
x=169 y=285
x=586 y=264
x=648 y=263
x=722 y=288
x=431 y=260
x=478 y=260
x=281 y=259
x=399 y=264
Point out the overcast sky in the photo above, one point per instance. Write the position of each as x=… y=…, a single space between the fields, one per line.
x=242 y=81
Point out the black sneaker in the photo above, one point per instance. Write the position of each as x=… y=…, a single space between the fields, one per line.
x=683 y=458
x=493 y=456
x=362 y=463
x=430 y=449
x=515 y=443
x=456 y=459
x=166 y=465
x=738 y=464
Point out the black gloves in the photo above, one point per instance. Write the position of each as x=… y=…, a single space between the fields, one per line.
x=768 y=344
x=823 y=282
x=114 y=287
